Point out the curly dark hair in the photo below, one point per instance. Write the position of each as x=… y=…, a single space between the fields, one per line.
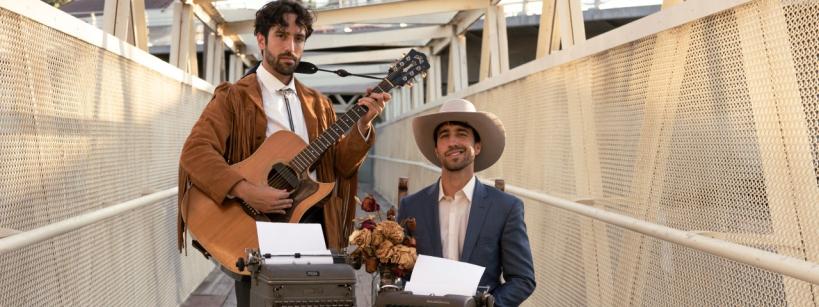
x=272 y=14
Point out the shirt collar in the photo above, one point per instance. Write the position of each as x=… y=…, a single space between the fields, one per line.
x=271 y=83
x=468 y=189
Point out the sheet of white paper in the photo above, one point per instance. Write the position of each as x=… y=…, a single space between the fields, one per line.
x=289 y=239
x=440 y=276
x=302 y=260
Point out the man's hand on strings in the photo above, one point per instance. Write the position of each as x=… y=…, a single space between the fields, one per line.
x=263 y=198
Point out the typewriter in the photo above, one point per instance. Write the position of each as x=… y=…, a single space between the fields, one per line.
x=298 y=284
x=408 y=299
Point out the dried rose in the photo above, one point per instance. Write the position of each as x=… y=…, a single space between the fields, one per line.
x=368 y=224
x=384 y=252
x=353 y=236
x=409 y=241
x=404 y=256
x=369 y=204
x=391 y=231
x=361 y=238
x=391 y=214
x=378 y=237
x=410 y=222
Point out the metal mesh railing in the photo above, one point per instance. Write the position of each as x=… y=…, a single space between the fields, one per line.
x=711 y=127
x=82 y=128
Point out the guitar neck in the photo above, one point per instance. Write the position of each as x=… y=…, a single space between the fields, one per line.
x=332 y=134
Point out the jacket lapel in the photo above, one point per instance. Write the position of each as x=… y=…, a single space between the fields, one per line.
x=250 y=85
x=435 y=221
x=477 y=216
x=308 y=107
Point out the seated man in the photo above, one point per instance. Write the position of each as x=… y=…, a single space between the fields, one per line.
x=462 y=219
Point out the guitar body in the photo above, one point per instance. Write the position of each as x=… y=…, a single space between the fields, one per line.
x=226 y=229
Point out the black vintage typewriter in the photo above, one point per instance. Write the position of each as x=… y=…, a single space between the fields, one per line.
x=408 y=299
x=299 y=284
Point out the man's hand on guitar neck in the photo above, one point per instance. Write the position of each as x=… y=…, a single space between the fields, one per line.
x=375 y=103
x=265 y=199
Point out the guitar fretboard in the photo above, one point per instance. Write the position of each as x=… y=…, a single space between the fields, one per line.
x=330 y=136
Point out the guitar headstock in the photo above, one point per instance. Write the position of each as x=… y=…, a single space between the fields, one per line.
x=405 y=69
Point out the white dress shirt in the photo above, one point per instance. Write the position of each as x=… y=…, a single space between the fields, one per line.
x=453 y=213
x=275 y=109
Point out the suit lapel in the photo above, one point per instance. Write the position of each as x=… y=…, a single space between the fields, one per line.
x=435 y=221
x=308 y=107
x=477 y=216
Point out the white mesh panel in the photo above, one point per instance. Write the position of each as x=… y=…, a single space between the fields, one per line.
x=82 y=129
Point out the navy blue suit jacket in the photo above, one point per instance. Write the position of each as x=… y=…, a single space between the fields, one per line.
x=495 y=238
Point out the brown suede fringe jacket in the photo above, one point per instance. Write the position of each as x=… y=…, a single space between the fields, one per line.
x=233 y=126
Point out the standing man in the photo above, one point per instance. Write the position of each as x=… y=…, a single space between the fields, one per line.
x=460 y=218
x=241 y=116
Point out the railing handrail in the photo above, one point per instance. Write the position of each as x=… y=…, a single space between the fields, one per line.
x=29 y=237
x=782 y=264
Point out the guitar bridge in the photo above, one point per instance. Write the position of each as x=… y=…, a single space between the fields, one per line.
x=252 y=211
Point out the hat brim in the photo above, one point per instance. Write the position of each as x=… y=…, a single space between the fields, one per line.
x=488 y=126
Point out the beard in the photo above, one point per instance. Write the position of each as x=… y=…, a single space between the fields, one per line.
x=457 y=165
x=280 y=67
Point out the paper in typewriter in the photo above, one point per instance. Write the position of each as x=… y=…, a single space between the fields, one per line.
x=284 y=240
x=440 y=276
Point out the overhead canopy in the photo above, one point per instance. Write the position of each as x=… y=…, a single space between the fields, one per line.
x=358 y=34
x=351 y=33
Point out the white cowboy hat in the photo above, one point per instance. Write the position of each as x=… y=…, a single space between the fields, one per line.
x=489 y=128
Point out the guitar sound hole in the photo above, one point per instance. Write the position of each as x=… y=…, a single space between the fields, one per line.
x=283 y=177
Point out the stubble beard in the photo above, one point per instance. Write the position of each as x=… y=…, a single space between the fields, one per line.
x=455 y=166
x=279 y=67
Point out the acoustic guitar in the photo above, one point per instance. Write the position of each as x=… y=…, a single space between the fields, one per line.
x=225 y=230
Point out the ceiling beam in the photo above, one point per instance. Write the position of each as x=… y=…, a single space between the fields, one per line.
x=324 y=41
x=464 y=19
x=438 y=45
x=360 y=14
x=427 y=19
x=211 y=18
x=208 y=14
x=389 y=10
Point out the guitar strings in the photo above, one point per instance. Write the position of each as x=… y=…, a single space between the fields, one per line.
x=281 y=182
